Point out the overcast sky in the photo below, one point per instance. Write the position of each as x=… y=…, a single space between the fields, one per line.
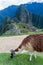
x=6 y=3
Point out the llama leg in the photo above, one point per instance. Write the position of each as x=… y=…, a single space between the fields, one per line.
x=31 y=56
x=35 y=54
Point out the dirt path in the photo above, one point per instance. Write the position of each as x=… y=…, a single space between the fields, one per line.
x=8 y=43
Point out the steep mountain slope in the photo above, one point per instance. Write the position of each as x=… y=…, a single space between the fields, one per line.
x=9 y=12
x=21 y=23
x=37 y=21
x=36 y=8
x=24 y=16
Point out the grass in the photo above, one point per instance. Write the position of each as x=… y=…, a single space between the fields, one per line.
x=20 y=59
x=22 y=34
x=35 y=32
x=26 y=31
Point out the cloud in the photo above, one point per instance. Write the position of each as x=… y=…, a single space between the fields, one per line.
x=6 y=3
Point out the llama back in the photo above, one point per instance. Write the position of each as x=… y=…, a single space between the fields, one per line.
x=37 y=42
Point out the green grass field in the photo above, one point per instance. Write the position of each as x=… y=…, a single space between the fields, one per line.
x=20 y=59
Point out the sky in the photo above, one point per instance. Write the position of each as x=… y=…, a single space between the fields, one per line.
x=6 y=3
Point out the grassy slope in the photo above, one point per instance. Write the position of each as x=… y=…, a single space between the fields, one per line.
x=20 y=59
x=20 y=26
x=22 y=34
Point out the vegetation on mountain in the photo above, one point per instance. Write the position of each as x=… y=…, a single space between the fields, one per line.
x=23 y=22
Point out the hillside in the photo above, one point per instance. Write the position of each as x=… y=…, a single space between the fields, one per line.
x=8 y=12
x=23 y=21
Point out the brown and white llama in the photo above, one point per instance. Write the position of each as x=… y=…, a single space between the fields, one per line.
x=32 y=43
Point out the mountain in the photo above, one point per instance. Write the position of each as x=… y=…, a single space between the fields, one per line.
x=1 y=19
x=8 y=12
x=24 y=16
x=35 y=8
x=23 y=21
x=37 y=21
x=20 y=23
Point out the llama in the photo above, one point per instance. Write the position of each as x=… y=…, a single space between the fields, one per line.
x=32 y=43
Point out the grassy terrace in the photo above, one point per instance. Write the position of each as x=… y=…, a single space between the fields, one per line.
x=20 y=59
x=38 y=32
